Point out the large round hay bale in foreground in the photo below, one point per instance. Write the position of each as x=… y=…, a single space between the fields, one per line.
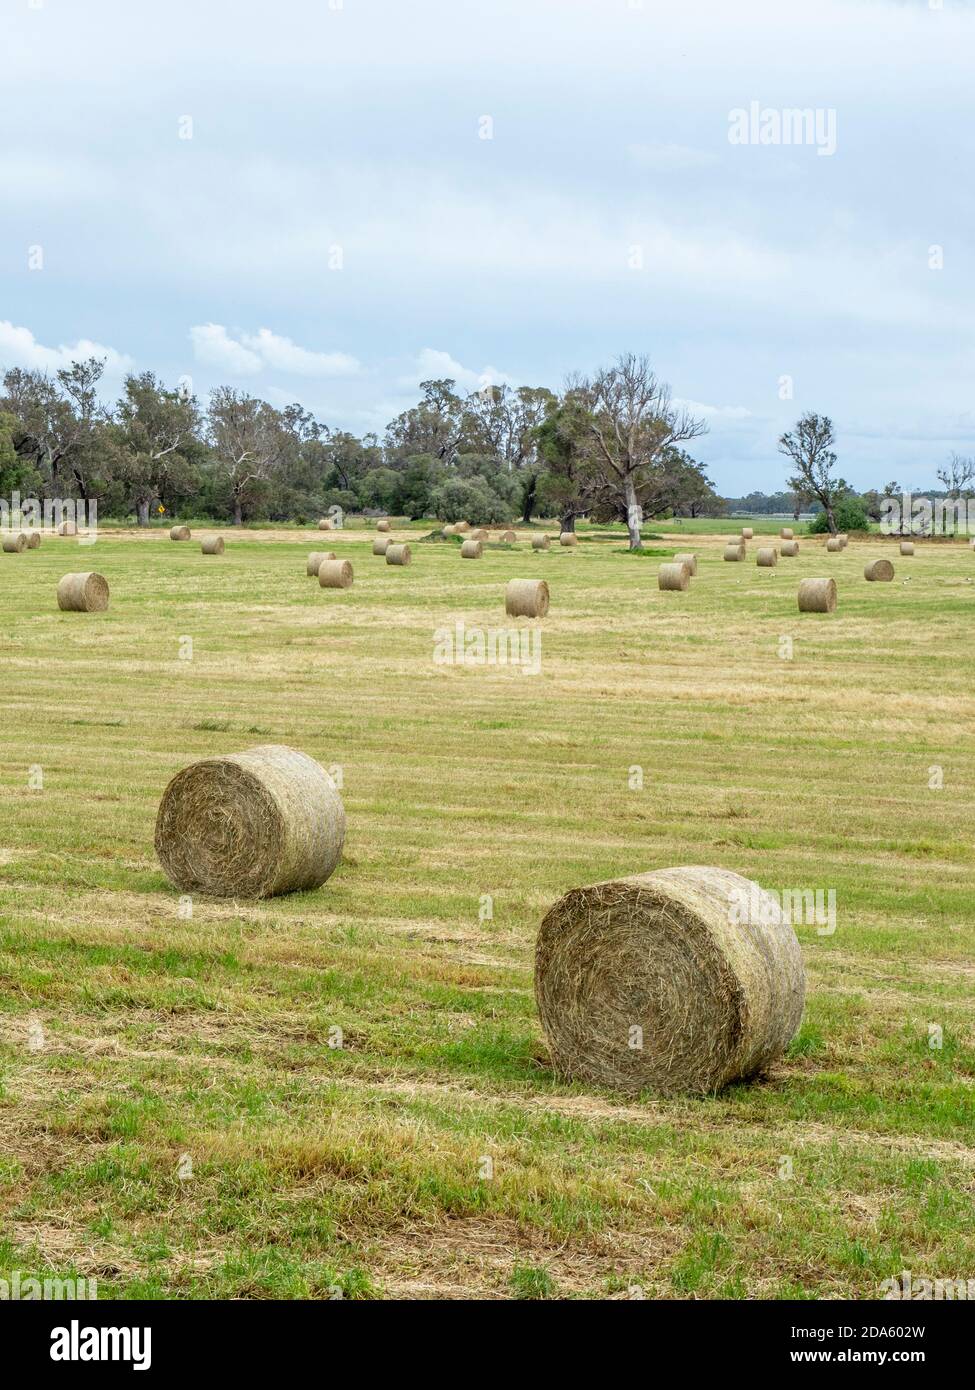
x=673 y=576
x=540 y=542
x=526 y=598
x=324 y=524
x=471 y=550
x=381 y=544
x=179 y=533
x=681 y=980
x=568 y=538
x=398 y=555
x=879 y=569
x=67 y=528
x=747 y=533
x=834 y=543
x=335 y=574
x=316 y=559
x=382 y=526
x=787 y=533
x=14 y=542
x=33 y=539
x=212 y=545
x=507 y=538
x=250 y=825
x=767 y=557
x=817 y=596
x=789 y=548
x=907 y=547
x=83 y=593
x=734 y=552
x=686 y=557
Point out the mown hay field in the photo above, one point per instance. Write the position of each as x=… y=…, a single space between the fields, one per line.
x=176 y=1119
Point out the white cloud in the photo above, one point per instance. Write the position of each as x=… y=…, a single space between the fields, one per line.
x=285 y=356
x=19 y=348
x=431 y=363
x=667 y=158
x=213 y=347
x=253 y=352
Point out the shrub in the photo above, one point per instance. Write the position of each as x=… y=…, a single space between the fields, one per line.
x=850 y=516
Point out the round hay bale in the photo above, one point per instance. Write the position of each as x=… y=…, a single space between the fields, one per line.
x=382 y=526
x=471 y=550
x=381 y=544
x=568 y=538
x=540 y=542
x=67 y=528
x=879 y=569
x=335 y=574
x=449 y=531
x=212 y=545
x=789 y=548
x=315 y=559
x=734 y=552
x=907 y=547
x=324 y=524
x=250 y=825
x=83 y=593
x=688 y=559
x=507 y=538
x=767 y=557
x=33 y=539
x=526 y=598
x=479 y=535
x=14 y=542
x=817 y=596
x=681 y=980
x=461 y=528
x=843 y=539
x=179 y=533
x=673 y=576
x=834 y=544
x=747 y=533
x=398 y=555
x=787 y=533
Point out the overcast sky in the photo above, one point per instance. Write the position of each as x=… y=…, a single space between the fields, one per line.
x=337 y=228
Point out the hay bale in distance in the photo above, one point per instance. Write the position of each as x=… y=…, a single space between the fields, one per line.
x=834 y=544
x=315 y=559
x=461 y=528
x=324 y=523
x=398 y=555
x=673 y=576
x=381 y=544
x=767 y=557
x=734 y=552
x=747 y=533
x=526 y=598
x=449 y=531
x=687 y=558
x=787 y=533
x=250 y=825
x=879 y=569
x=843 y=539
x=83 y=593
x=789 y=548
x=382 y=525
x=179 y=533
x=507 y=538
x=568 y=538
x=67 y=528
x=540 y=542
x=33 y=539
x=907 y=547
x=817 y=596
x=14 y=542
x=335 y=574
x=696 y=963
x=479 y=535
x=212 y=545
x=471 y=550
